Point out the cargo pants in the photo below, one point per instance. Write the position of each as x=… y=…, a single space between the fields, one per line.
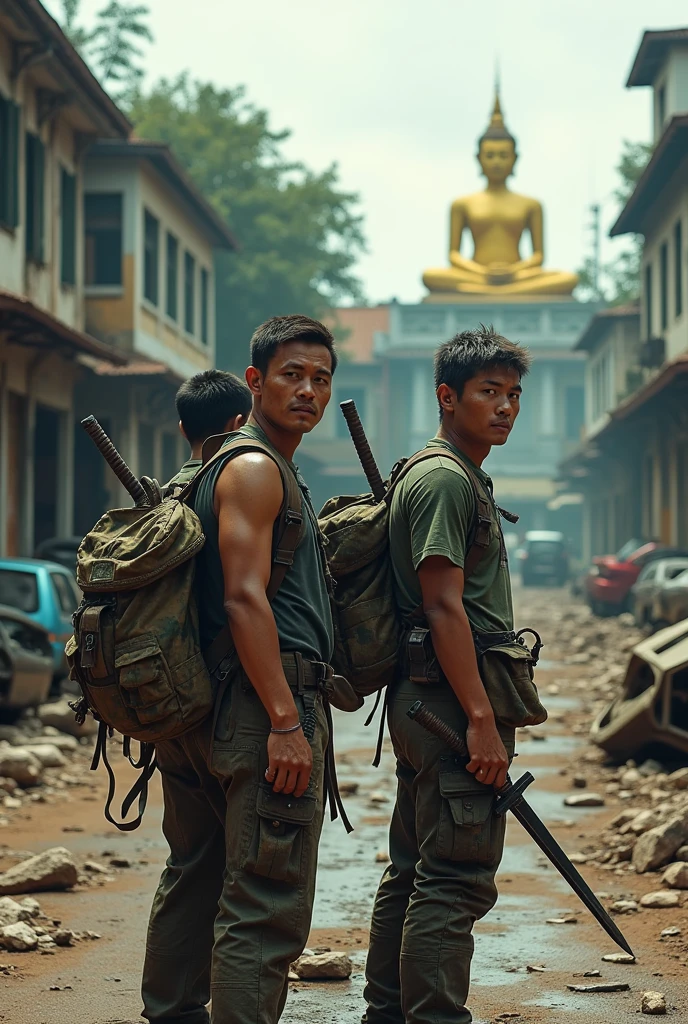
x=445 y=848
x=234 y=904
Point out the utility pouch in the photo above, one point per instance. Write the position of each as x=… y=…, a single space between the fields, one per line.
x=341 y=694
x=467 y=829
x=281 y=821
x=506 y=670
x=423 y=665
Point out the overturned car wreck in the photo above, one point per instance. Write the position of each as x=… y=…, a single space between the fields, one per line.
x=650 y=716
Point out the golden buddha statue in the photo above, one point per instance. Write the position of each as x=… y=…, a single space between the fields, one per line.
x=497 y=218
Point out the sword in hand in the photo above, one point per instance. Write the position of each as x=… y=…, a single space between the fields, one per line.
x=510 y=798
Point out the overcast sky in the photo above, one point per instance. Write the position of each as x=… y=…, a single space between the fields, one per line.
x=398 y=92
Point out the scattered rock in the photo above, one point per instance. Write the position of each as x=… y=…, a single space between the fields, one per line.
x=8 y=785
x=59 y=715
x=676 y=875
x=660 y=899
x=50 y=870
x=656 y=847
x=378 y=797
x=120 y=862
x=46 y=943
x=536 y=968
x=348 y=788
x=323 y=967
x=64 y=937
x=681 y=853
x=11 y=912
x=19 y=937
x=20 y=764
x=48 y=754
x=623 y=906
x=604 y=986
x=653 y=1003
x=584 y=800
x=566 y=919
x=65 y=744
x=670 y=933
x=382 y=857
x=95 y=868
x=579 y=782
x=618 y=958
x=31 y=906
x=679 y=778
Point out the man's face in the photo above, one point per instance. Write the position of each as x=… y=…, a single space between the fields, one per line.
x=295 y=390
x=488 y=407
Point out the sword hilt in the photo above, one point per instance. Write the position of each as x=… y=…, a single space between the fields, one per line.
x=365 y=455
x=114 y=459
x=509 y=794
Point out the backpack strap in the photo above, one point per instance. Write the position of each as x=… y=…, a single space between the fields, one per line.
x=479 y=533
x=287 y=533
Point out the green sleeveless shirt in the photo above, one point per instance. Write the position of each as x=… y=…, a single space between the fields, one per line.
x=301 y=606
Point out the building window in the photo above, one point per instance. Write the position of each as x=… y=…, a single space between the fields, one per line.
x=103 y=230
x=189 y=293
x=151 y=242
x=359 y=396
x=68 y=226
x=205 y=289
x=574 y=412
x=648 y=300
x=678 y=268
x=9 y=163
x=172 y=301
x=35 y=198
x=664 y=284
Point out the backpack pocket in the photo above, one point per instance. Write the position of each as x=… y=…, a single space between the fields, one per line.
x=282 y=819
x=507 y=674
x=144 y=679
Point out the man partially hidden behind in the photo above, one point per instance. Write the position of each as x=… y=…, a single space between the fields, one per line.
x=211 y=402
x=244 y=803
x=445 y=842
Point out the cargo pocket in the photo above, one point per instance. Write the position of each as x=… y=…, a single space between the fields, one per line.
x=467 y=829
x=276 y=852
x=144 y=679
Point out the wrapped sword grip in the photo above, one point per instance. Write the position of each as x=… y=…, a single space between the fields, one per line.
x=353 y=422
x=114 y=459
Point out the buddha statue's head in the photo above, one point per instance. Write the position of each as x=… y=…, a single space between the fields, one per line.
x=497 y=148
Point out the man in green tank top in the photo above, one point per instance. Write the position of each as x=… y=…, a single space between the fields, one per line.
x=210 y=402
x=244 y=794
x=445 y=843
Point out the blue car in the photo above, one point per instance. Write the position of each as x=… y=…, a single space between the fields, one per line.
x=47 y=593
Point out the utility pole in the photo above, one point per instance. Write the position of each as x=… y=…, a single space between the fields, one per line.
x=595 y=229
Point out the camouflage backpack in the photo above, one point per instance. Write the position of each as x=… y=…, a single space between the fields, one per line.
x=368 y=625
x=136 y=652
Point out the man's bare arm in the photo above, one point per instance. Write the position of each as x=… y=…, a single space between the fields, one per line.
x=248 y=498
x=442 y=584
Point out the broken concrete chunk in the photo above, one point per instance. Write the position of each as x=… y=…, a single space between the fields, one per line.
x=19 y=937
x=657 y=847
x=323 y=967
x=618 y=958
x=61 y=717
x=670 y=933
x=11 y=912
x=676 y=875
x=660 y=899
x=653 y=1003
x=584 y=800
x=64 y=937
x=20 y=764
x=48 y=754
x=53 y=869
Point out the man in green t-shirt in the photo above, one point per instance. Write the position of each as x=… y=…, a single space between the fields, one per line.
x=445 y=842
x=211 y=402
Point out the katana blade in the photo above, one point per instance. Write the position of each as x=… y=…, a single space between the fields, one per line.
x=510 y=798
x=541 y=835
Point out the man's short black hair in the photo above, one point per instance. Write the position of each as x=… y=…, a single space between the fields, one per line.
x=208 y=400
x=470 y=352
x=279 y=330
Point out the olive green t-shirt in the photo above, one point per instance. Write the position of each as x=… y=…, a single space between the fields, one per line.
x=432 y=513
x=301 y=606
x=185 y=474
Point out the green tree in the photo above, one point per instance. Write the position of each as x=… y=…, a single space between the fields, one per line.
x=619 y=279
x=110 y=47
x=300 y=233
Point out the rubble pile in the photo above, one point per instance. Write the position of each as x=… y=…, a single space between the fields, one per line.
x=42 y=757
x=24 y=928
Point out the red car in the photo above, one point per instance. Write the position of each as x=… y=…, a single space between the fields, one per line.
x=610 y=577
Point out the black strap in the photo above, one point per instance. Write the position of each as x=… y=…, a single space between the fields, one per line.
x=146 y=762
x=331 y=784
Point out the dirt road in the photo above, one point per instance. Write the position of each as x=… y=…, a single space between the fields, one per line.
x=97 y=981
